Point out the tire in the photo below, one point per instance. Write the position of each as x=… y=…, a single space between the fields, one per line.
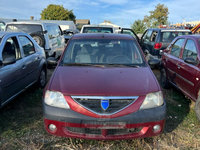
x=42 y=78
x=163 y=79
x=197 y=108
x=39 y=39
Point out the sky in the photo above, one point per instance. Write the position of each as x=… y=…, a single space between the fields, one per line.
x=120 y=12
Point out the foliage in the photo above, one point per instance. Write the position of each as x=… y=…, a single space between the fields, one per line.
x=57 y=12
x=159 y=16
x=138 y=26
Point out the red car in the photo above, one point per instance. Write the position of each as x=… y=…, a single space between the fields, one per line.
x=102 y=88
x=181 y=67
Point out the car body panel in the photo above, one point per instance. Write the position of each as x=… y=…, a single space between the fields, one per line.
x=54 y=41
x=103 y=82
x=183 y=75
x=16 y=77
x=105 y=78
x=155 y=35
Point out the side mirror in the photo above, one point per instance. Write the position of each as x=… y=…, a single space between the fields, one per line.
x=190 y=61
x=9 y=60
x=51 y=61
x=154 y=63
x=44 y=32
x=161 y=52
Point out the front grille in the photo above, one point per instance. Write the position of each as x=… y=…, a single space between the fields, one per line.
x=93 y=103
x=84 y=130
x=123 y=131
x=111 y=132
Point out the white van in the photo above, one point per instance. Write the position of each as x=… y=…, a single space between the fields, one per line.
x=47 y=35
x=97 y=29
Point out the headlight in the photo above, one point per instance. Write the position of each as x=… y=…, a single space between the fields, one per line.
x=55 y=99
x=152 y=100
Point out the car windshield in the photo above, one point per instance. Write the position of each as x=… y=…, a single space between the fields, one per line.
x=27 y=28
x=168 y=36
x=97 y=30
x=102 y=52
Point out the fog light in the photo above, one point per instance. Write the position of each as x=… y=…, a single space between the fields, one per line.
x=52 y=127
x=156 y=128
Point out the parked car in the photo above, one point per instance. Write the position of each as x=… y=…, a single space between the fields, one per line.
x=22 y=63
x=181 y=68
x=68 y=33
x=128 y=31
x=102 y=88
x=47 y=35
x=97 y=29
x=158 y=39
x=68 y=27
x=107 y=29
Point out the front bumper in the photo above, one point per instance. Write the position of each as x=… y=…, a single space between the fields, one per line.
x=134 y=125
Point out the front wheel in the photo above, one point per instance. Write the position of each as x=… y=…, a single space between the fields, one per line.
x=42 y=78
x=163 y=79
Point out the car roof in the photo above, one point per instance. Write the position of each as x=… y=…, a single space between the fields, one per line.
x=3 y=33
x=194 y=36
x=102 y=36
x=103 y=26
x=168 y=29
x=29 y=22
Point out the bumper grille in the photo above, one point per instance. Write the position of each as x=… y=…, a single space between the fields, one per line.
x=111 y=132
x=94 y=104
x=84 y=130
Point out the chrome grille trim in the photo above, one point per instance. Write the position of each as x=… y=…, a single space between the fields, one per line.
x=105 y=97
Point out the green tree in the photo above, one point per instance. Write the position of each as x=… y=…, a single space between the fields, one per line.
x=57 y=12
x=138 y=26
x=159 y=16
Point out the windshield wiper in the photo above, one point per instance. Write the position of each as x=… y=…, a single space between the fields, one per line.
x=123 y=65
x=82 y=64
x=101 y=65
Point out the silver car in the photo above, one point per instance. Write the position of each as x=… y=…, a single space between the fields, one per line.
x=22 y=63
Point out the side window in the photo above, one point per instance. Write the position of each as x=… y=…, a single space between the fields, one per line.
x=176 y=47
x=128 y=31
x=27 y=45
x=11 y=49
x=50 y=32
x=57 y=31
x=190 y=50
x=147 y=35
x=53 y=31
x=153 y=36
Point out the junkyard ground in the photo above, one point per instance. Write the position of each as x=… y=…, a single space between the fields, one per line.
x=21 y=127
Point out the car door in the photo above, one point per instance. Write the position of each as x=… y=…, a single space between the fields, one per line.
x=172 y=59
x=187 y=73
x=11 y=79
x=31 y=60
x=130 y=32
x=145 y=40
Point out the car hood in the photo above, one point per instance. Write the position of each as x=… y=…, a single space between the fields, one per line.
x=106 y=81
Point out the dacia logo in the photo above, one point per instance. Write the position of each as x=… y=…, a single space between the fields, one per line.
x=105 y=104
